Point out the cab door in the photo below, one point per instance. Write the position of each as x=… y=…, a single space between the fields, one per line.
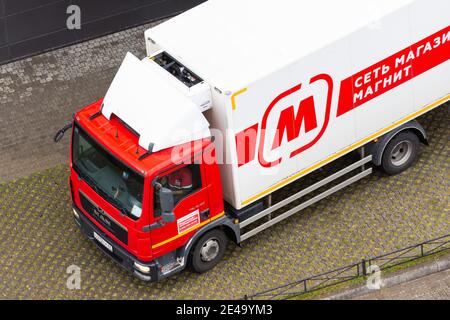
x=191 y=210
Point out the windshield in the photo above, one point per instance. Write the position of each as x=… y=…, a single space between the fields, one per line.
x=111 y=179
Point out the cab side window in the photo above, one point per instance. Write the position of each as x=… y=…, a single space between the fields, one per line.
x=182 y=182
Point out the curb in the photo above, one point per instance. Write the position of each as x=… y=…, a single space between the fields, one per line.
x=439 y=265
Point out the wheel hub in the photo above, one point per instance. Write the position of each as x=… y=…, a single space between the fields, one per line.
x=401 y=153
x=210 y=250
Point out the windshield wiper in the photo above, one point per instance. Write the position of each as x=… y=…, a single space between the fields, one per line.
x=84 y=176
x=117 y=204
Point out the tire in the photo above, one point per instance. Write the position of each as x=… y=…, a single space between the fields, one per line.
x=400 y=153
x=208 y=251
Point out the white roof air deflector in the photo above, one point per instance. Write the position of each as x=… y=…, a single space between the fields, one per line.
x=150 y=105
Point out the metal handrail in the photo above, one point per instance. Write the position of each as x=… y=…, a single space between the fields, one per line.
x=334 y=277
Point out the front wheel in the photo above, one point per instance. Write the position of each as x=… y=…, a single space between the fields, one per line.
x=209 y=250
x=400 y=153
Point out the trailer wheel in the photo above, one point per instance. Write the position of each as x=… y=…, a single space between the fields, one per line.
x=400 y=153
x=209 y=250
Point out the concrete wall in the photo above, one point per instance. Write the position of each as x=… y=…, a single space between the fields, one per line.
x=29 y=27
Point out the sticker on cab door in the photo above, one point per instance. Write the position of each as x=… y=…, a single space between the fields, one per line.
x=189 y=221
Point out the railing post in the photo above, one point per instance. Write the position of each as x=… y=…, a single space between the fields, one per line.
x=363 y=267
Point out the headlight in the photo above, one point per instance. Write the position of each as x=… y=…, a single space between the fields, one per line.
x=142 y=268
x=75 y=213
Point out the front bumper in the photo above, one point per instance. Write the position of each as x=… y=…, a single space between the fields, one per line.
x=118 y=254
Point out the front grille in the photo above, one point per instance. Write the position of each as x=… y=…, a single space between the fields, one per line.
x=105 y=220
x=87 y=205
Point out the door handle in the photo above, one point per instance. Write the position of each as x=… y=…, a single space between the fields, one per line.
x=204 y=215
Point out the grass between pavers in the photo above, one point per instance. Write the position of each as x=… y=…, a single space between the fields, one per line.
x=40 y=236
x=354 y=283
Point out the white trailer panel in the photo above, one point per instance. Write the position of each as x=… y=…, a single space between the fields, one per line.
x=330 y=75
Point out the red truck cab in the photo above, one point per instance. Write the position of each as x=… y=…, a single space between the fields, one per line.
x=116 y=189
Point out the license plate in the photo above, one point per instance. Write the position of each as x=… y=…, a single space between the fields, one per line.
x=103 y=242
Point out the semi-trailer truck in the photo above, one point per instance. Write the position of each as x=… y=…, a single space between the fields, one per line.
x=239 y=99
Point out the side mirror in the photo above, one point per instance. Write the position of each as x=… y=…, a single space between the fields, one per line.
x=166 y=200
x=60 y=134
x=167 y=204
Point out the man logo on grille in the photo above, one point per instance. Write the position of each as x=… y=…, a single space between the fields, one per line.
x=101 y=215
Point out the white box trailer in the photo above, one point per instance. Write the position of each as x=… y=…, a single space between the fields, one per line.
x=297 y=84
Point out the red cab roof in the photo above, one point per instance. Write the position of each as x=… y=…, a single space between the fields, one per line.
x=122 y=142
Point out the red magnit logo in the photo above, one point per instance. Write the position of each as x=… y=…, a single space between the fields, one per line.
x=288 y=119
x=290 y=122
x=297 y=122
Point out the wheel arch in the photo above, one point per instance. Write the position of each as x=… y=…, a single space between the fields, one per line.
x=379 y=147
x=225 y=224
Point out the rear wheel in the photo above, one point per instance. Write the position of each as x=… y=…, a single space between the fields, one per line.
x=209 y=250
x=400 y=153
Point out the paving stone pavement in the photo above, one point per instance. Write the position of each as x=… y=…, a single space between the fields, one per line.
x=39 y=94
x=39 y=240
x=433 y=287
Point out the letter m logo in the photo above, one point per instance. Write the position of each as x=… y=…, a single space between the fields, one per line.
x=291 y=123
